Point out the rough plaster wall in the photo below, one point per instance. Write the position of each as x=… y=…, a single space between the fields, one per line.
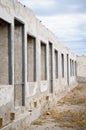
x=81 y=69
x=18 y=64
x=6 y=103
x=50 y=67
x=30 y=59
x=43 y=60
x=4 y=53
x=21 y=123
x=81 y=66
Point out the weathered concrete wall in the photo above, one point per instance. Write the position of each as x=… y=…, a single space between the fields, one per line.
x=30 y=59
x=4 y=73
x=81 y=67
x=36 y=71
x=18 y=64
x=6 y=104
x=43 y=62
x=18 y=54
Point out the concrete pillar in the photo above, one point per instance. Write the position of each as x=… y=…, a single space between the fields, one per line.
x=19 y=64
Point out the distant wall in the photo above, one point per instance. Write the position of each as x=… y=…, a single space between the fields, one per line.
x=81 y=70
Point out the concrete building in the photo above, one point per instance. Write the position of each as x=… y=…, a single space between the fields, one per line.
x=81 y=70
x=35 y=69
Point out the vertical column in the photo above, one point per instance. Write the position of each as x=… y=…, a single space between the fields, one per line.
x=56 y=63
x=10 y=54
x=70 y=67
x=62 y=62
x=50 y=67
x=19 y=63
x=67 y=69
x=75 y=69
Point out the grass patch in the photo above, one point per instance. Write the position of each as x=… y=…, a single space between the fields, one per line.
x=74 y=98
x=41 y=120
x=80 y=88
x=64 y=119
x=70 y=119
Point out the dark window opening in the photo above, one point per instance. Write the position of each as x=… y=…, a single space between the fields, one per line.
x=62 y=59
x=56 y=63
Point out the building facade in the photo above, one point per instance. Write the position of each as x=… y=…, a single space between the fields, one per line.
x=34 y=67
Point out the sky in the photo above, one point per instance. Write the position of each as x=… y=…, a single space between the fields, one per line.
x=65 y=18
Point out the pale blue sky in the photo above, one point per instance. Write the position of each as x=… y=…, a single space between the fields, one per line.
x=65 y=18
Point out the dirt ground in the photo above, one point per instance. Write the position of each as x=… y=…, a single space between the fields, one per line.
x=68 y=114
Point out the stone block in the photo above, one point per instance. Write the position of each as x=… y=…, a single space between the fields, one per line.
x=12 y=116
x=47 y=98
x=35 y=104
x=1 y=122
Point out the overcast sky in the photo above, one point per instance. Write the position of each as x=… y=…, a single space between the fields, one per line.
x=66 y=18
